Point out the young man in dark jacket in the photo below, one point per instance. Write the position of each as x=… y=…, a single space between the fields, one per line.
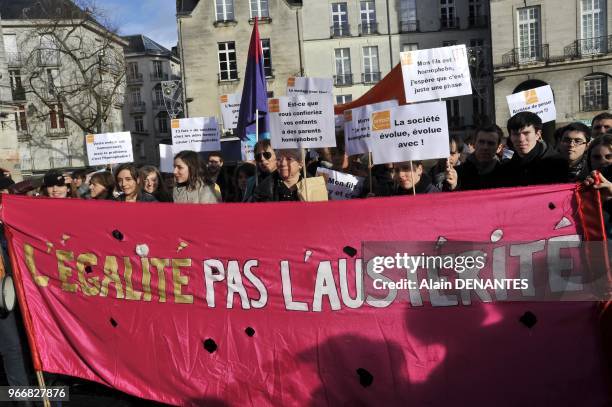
x=479 y=169
x=533 y=163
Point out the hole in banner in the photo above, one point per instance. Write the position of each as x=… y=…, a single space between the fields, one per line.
x=88 y=269
x=113 y=323
x=365 y=377
x=351 y=251
x=118 y=235
x=528 y=319
x=551 y=206
x=210 y=345
x=250 y=331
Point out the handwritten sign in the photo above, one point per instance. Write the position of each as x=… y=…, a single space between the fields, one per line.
x=109 y=148
x=410 y=132
x=357 y=134
x=230 y=107
x=341 y=186
x=538 y=100
x=302 y=122
x=435 y=73
x=196 y=134
x=166 y=158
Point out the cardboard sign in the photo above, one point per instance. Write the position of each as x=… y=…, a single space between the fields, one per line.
x=109 y=148
x=247 y=148
x=196 y=134
x=166 y=158
x=538 y=100
x=302 y=122
x=357 y=135
x=341 y=186
x=410 y=132
x=435 y=73
x=230 y=107
x=309 y=86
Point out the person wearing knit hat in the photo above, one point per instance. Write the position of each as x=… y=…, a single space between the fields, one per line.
x=54 y=185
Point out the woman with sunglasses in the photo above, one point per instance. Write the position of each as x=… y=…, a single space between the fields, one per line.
x=265 y=158
x=281 y=185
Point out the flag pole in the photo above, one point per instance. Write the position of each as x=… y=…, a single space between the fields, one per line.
x=412 y=176
x=305 y=172
x=256 y=141
x=370 y=171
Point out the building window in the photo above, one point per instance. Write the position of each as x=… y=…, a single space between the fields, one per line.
x=132 y=70
x=21 y=121
x=158 y=96
x=228 y=69
x=449 y=43
x=135 y=96
x=162 y=123
x=139 y=124
x=529 y=34
x=408 y=16
x=343 y=67
x=476 y=16
x=158 y=70
x=368 y=17
x=16 y=86
x=592 y=13
x=225 y=10
x=267 y=57
x=371 y=70
x=340 y=25
x=447 y=14
x=259 y=9
x=412 y=46
x=595 y=96
x=56 y=115
x=48 y=51
x=342 y=99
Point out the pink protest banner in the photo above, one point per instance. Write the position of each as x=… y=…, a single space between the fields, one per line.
x=257 y=304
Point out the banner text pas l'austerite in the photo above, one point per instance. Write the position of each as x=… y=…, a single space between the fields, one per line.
x=337 y=282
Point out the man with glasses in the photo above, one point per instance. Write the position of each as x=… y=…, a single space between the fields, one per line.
x=574 y=140
x=478 y=170
x=265 y=157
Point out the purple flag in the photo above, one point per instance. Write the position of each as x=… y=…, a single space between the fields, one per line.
x=254 y=93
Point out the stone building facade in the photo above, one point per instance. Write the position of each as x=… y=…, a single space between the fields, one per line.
x=144 y=113
x=564 y=44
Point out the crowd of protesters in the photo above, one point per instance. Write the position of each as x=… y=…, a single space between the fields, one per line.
x=489 y=159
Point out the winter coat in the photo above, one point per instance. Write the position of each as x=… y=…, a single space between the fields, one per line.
x=542 y=165
x=202 y=194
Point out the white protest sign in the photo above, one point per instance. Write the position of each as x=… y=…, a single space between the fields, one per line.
x=410 y=132
x=166 y=158
x=357 y=135
x=309 y=86
x=230 y=107
x=341 y=186
x=435 y=73
x=538 y=100
x=302 y=122
x=195 y=134
x=109 y=148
